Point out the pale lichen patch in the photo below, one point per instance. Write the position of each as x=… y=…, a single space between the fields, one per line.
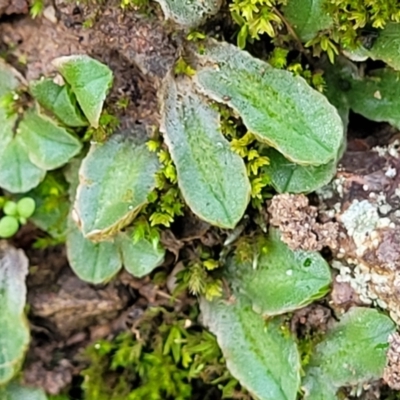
x=365 y=203
x=360 y=220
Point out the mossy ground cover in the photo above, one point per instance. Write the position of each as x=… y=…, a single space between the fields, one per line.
x=178 y=177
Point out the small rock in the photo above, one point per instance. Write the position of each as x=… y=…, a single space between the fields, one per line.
x=391 y=374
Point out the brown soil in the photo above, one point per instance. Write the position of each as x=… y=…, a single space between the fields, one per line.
x=139 y=57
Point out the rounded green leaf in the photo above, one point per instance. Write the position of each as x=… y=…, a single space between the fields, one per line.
x=377 y=96
x=115 y=179
x=387 y=46
x=279 y=108
x=141 y=257
x=59 y=100
x=17 y=173
x=53 y=221
x=48 y=145
x=7 y=123
x=189 y=13
x=51 y=205
x=8 y=227
x=92 y=262
x=10 y=78
x=212 y=178
x=353 y=352
x=10 y=208
x=307 y=17
x=26 y=207
x=279 y=280
x=287 y=176
x=90 y=81
x=259 y=354
x=14 y=330
x=15 y=391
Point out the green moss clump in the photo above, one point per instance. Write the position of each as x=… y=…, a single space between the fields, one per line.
x=160 y=359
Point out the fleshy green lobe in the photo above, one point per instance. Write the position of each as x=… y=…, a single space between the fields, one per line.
x=17 y=173
x=353 y=352
x=259 y=354
x=48 y=145
x=115 y=179
x=90 y=81
x=211 y=177
x=387 y=46
x=287 y=176
x=58 y=100
x=14 y=330
x=92 y=262
x=15 y=391
x=307 y=17
x=10 y=79
x=279 y=108
x=189 y=13
x=376 y=96
x=281 y=280
x=141 y=257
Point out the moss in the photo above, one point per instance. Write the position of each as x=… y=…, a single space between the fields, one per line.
x=256 y=18
x=246 y=146
x=159 y=360
x=352 y=16
x=354 y=23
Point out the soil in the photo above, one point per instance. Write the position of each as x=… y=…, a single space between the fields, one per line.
x=13 y=7
x=139 y=57
x=67 y=314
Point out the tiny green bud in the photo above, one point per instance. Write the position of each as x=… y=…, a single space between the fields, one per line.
x=26 y=207
x=10 y=208
x=8 y=226
x=22 y=220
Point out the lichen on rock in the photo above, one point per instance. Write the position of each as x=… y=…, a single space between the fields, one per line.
x=364 y=199
x=357 y=218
